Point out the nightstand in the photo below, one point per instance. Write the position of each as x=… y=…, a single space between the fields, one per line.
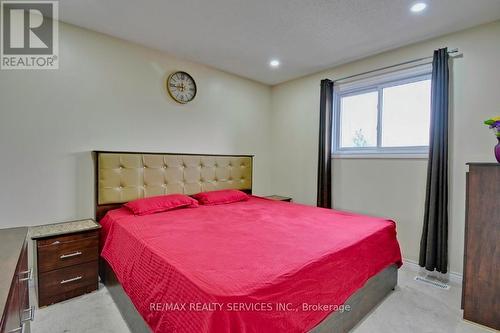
x=66 y=257
x=279 y=198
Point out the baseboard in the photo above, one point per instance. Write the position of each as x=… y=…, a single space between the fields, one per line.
x=413 y=266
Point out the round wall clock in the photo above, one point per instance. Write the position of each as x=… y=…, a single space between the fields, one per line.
x=181 y=87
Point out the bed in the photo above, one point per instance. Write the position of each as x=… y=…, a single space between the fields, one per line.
x=252 y=266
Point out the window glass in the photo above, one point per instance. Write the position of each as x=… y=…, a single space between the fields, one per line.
x=406 y=114
x=359 y=120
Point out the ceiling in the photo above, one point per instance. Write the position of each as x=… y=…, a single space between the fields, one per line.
x=242 y=36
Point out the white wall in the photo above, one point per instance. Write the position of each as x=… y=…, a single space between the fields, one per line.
x=393 y=187
x=109 y=94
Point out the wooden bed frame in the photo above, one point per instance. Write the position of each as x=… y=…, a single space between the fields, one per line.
x=361 y=302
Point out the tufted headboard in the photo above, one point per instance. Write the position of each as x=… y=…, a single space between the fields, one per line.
x=126 y=176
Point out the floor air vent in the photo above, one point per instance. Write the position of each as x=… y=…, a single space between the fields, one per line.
x=433 y=282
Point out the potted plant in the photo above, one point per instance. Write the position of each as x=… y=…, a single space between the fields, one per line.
x=494 y=123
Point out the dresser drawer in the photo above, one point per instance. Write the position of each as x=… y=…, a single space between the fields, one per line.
x=66 y=253
x=56 y=240
x=67 y=282
x=24 y=276
x=11 y=318
x=16 y=311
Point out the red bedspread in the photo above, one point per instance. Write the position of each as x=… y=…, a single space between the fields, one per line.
x=253 y=266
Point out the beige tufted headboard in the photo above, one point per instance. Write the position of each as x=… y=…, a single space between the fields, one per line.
x=126 y=176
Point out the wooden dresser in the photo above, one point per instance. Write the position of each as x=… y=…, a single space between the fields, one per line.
x=481 y=283
x=14 y=281
x=66 y=260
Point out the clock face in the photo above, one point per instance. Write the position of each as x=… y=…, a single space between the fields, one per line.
x=181 y=87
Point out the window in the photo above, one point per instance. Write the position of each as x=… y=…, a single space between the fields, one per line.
x=389 y=114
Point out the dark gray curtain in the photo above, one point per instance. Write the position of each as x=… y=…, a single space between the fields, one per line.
x=434 y=241
x=324 y=197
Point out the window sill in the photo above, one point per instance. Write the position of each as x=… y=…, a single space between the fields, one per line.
x=381 y=156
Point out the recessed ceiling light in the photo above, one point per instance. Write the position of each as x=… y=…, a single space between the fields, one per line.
x=418 y=7
x=274 y=63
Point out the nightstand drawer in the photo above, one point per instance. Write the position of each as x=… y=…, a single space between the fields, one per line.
x=57 y=240
x=70 y=281
x=64 y=254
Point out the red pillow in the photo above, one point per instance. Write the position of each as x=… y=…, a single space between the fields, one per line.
x=160 y=203
x=220 y=197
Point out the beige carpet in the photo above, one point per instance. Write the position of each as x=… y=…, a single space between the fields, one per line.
x=412 y=307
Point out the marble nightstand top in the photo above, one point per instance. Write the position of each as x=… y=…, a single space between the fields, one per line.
x=55 y=229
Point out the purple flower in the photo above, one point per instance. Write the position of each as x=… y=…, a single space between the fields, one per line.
x=496 y=124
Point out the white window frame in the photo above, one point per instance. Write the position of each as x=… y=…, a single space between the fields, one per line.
x=378 y=83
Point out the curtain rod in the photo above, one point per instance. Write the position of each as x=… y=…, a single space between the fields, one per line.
x=452 y=51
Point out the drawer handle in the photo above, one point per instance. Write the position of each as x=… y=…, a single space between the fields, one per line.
x=71 y=280
x=29 y=277
x=77 y=253
x=20 y=329
x=55 y=243
x=31 y=312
